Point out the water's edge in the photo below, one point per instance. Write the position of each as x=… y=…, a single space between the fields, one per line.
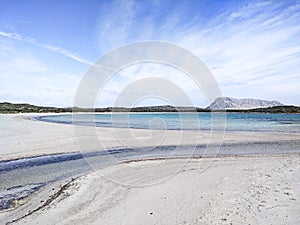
x=76 y=164
x=275 y=123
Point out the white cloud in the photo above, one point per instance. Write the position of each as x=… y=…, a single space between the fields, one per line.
x=253 y=49
x=26 y=78
x=252 y=45
x=49 y=88
x=21 y=64
x=245 y=53
x=115 y=23
x=56 y=49
x=139 y=73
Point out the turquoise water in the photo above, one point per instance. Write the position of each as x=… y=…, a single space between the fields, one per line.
x=186 y=121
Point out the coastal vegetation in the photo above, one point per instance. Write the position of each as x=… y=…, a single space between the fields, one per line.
x=7 y=107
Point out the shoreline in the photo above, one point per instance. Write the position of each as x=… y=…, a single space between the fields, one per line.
x=176 y=157
x=63 y=209
x=38 y=118
x=24 y=137
x=66 y=181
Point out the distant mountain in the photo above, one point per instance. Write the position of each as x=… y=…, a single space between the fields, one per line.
x=223 y=103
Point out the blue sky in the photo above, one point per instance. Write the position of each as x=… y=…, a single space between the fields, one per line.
x=251 y=47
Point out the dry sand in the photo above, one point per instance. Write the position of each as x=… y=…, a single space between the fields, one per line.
x=226 y=190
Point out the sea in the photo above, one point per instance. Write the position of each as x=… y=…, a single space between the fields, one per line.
x=261 y=122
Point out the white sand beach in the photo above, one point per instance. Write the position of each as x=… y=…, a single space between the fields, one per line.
x=153 y=112
x=232 y=190
x=220 y=190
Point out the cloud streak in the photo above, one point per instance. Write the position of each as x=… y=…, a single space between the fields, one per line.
x=251 y=48
x=59 y=50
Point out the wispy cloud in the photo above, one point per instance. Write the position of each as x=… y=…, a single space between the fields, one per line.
x=251 y=48
x=115 y=22
x=27 y=78
x=59 y=50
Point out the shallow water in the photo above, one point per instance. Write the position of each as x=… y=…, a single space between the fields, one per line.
x=289 y=123
x=20 y=178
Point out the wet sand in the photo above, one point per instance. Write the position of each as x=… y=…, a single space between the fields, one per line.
x=231 y=190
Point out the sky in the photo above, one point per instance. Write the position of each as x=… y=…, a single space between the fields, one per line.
x=252 y=48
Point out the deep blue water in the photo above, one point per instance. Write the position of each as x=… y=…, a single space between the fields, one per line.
x=186 y=121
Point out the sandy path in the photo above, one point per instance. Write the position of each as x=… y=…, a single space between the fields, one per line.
x=243 y=190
